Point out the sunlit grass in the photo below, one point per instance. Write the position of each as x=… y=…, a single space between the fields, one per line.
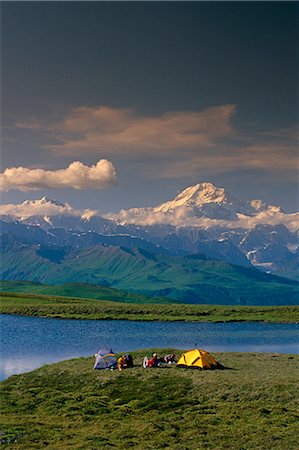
x=69 y=405
x=75 y=308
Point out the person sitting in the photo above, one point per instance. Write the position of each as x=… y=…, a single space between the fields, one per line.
x=121 y=363
x=124 y=361
x=153 y=361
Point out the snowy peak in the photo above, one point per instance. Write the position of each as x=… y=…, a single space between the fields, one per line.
x=43 y=201
x=196 y=196
x=43 y=208
x=260 y=206
x=202 y=205
x=202 y=193
x=207 y=200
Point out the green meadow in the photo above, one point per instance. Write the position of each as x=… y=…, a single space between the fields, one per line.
x=78 y=308
x=250 y=405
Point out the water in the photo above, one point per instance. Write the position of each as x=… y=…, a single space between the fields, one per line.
x=29 y=342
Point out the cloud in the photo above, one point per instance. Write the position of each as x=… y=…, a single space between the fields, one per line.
x=76 y=176
x=255 y=153
x=122 y=131
x=175 y=144
x=185 y=217
x=179 y=217
x=42 y=207
x=270 y=218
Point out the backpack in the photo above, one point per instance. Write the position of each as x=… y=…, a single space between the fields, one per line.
x=129 y=360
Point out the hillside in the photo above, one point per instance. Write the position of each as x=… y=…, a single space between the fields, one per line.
x=80 y=290
x=189 y=279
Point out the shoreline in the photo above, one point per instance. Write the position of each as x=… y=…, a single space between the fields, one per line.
x=149 y=320
x=51 y=307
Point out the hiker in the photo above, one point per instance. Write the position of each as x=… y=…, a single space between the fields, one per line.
x=121 y=362
x=153 y=361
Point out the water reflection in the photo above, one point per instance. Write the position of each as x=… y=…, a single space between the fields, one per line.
x=12 y=366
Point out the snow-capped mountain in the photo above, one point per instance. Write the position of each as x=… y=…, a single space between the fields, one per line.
x=43 y=201
x=201 y=219
x=207 y=200
x=189 y=208
x=46 y=213
x=207 y=206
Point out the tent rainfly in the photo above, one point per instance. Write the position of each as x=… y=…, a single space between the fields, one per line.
x=197 y=358
x=105 y=359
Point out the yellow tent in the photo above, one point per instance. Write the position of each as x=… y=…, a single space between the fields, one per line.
x=200 y=359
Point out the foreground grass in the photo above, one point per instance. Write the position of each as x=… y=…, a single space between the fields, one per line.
x=69 y=405
x=75 y=308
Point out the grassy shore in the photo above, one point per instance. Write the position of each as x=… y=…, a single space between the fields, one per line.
x=75 y=308
x=69 y=405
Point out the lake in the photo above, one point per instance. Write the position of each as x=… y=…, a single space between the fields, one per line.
x=30 y=342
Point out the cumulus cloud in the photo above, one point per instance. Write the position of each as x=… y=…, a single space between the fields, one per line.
x=76 y=176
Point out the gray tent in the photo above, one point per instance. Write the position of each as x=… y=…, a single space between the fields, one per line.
x=105 y=359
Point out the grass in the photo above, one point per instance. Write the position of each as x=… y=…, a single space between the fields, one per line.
x=69 y=405
x=75 y=308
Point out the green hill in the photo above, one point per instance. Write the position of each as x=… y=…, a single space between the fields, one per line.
x=69 y=405
x=80 y=290
x=189 y=279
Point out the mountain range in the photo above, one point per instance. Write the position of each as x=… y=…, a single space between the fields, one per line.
x=201 y=219
x=189 y=279
x=204 y=246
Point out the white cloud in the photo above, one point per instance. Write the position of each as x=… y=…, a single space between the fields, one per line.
x=180 y=217
x=76 y=176
x=42 y=207
x=291 y=221
x=185 y=217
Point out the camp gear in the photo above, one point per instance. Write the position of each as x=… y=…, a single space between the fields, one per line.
x=145 y=362
x=154 y=361
x=129 y=360
x=169 y=358
x=197 y=358
x=105 y=359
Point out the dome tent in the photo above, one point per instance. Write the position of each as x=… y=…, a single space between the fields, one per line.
x=105 y=359
x=199 y=359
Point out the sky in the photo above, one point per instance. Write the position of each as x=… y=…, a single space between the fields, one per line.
x=110 y=105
